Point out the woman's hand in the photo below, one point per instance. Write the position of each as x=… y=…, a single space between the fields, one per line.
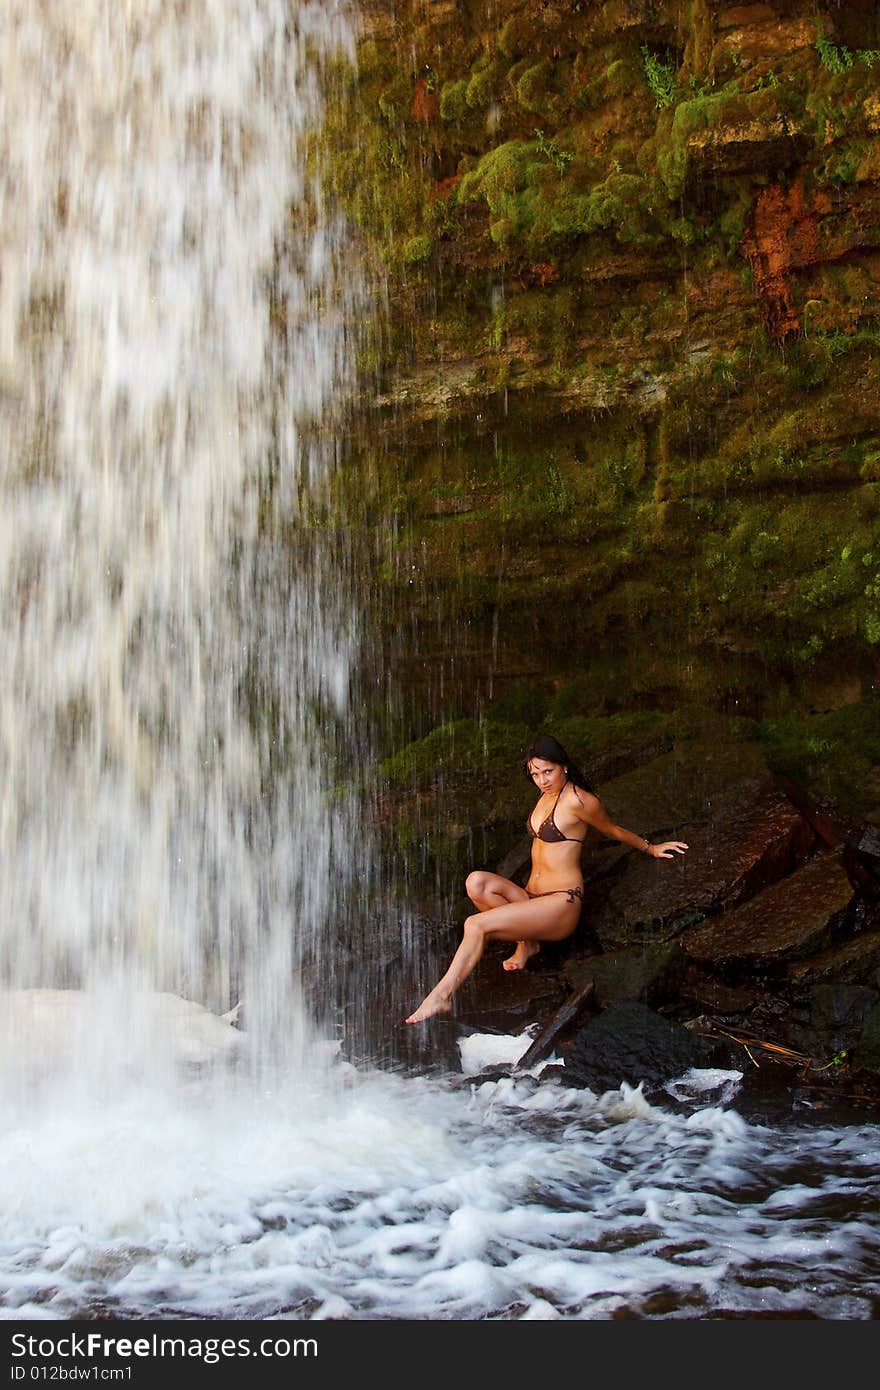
x=667 y=850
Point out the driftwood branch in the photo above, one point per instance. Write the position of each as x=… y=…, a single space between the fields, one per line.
x=565 y=1014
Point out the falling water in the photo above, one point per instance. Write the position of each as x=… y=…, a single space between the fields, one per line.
x=173 y=355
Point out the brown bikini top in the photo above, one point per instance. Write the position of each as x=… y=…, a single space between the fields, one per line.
x=549 y=831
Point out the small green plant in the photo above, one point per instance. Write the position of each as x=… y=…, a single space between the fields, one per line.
x=834 y=57
x=551 y=151
x=660 y=77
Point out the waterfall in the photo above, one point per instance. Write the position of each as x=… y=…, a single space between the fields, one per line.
x=178 y=639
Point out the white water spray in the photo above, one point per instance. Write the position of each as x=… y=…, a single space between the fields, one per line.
x=173 y=351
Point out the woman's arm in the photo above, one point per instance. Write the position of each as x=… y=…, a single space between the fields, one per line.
x=592 y=812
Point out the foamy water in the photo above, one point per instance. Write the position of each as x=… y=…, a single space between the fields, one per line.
x=378 y=1196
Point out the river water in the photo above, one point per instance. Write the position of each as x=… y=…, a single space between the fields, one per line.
x=180 y=637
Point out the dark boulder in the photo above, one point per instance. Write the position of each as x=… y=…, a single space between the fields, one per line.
x=631 y=1043
x=836 y=1018
x=508 y=1001
x=418 y=1049
x=795 y=917
x=743 y=848
x=866 y=1053
x=651 y=974
x=852 y=961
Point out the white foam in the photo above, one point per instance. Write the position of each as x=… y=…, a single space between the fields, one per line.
x=385 y=1196
x=482 y=1050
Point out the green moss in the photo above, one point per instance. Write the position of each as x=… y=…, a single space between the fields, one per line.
x=453 y=100
x=462 y=753
x=418 y=249
x=830 y=753
x=395 y=99
x=531 y=87
x=482 y=87
x=517 y=36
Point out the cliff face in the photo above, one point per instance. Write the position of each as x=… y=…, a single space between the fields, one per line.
x=622 y=406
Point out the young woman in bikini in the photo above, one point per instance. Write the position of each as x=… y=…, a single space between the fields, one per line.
x=549 y=907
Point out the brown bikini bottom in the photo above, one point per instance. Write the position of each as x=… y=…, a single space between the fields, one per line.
x=574 y=894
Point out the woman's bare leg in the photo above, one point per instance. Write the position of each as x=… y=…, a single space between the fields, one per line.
x=486 y=891
x=535 y=919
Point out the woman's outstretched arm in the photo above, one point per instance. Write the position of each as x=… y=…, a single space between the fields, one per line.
x=593 y=813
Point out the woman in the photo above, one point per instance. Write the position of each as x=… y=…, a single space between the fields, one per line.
x=549 y=907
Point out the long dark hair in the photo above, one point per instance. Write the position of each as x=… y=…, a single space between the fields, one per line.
x=546 y=747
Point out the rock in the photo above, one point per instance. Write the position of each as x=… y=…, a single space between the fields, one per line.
x=47 y=1033
x=652 y=974
x=800 y=915
x=516 y=860
x=739 y=852
x=506 y=1001
x=713 y=997
x=425 y=103
x=616 y=762
x=861 y=840
x=841 y=1010
x=686 y=786
x=757 y=34
x=413 y=1048
x=631 y=1043
x=866 y=1052
x=853 y=961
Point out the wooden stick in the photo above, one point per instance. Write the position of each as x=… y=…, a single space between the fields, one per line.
x=542 y=1046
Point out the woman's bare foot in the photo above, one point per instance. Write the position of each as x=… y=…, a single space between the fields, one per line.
x=524 y=952
x=433 y=1003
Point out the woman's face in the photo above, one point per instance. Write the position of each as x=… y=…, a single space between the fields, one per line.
x=547 y=776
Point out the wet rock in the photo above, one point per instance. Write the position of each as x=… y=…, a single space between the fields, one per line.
x=736 y=854
x=860 y=839
x=759 y=34
x=866 y=1053
x=424 y=1048
x=765 y=142
x=650 y=975
x=629 y=756
x=798 y=916
x=46 y=1032
x=630 y=1042
x=516 y=860
x=426 y=102
x=507 y=1001
x=841 y=1010
x=686 y=786
x=853 y=961
x=710 y=996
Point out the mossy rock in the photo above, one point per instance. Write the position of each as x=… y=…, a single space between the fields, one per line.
x=453 y=100
x=418 y=249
